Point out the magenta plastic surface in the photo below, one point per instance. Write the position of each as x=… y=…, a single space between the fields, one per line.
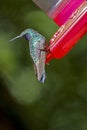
x=65 y=13
x=68 y=34
x=59 y=10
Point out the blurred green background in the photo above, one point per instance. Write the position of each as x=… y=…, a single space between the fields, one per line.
x=26 y=104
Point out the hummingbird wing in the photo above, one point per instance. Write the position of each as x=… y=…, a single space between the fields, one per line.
x=40 y=64
x=38 y=56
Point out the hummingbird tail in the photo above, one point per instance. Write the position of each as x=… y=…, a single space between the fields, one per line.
x=43 y=77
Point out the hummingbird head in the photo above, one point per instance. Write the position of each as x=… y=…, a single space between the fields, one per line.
x=26 y=34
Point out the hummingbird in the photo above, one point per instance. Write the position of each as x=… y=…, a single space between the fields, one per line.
x=37 y=47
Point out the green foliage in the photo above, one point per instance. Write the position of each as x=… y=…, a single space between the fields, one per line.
x=60 y=103
x=7 y=56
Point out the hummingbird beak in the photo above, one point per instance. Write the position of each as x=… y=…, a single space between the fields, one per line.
x=16 y=38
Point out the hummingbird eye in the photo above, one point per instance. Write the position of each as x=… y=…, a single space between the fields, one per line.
x=25 y=37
